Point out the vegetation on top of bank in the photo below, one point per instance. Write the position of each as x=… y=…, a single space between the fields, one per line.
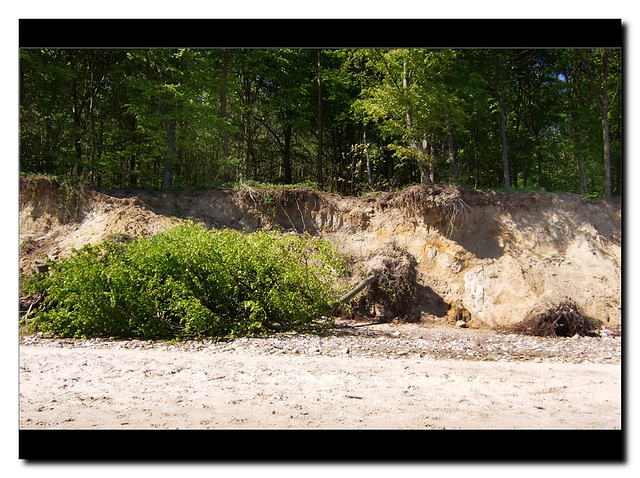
x=350 y=120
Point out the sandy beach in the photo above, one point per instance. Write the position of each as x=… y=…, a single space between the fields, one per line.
x=308 y=382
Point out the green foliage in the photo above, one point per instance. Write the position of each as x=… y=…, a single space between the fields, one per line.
x=124 y=118
x=190 y=282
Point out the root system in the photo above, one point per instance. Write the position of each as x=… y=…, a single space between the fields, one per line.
x=393 y=294
x=565 y=319
x=445 y=201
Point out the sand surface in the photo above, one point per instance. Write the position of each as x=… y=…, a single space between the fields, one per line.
x=117 y=388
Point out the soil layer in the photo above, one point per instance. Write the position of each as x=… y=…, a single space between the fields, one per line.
x=488 y=259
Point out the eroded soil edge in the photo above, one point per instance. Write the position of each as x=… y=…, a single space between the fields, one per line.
x=485 y=258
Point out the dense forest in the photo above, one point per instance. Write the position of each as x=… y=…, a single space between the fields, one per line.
x=342 y=120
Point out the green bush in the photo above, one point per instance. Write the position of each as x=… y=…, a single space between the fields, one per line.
x=190 y=282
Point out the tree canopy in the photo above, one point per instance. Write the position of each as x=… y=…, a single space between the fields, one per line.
x=351 y=120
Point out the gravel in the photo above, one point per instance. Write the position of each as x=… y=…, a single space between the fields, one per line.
x=388 y=340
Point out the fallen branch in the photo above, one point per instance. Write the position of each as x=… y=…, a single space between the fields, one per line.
x=353 y=292
x=28 y=311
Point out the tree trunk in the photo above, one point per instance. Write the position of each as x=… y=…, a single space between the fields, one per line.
x=170 y=128
x=320 y=177
x=133 y=177
x=453 y=150
x=603 y=103
x=477 y=175
x=131 y=123
x=432 y=157
x=364 y=135
x=287 y=154
x=249 y=154
x=223 y=111
x=607 y=153
x=78 y=104
x=389 y=163
x=92 y=141
x=474 y=132
x=77 y=127
x=366 y=152
x=426 y=175
x=584 y=188
x=503 y=137
x=405 y=85
x=247 y=147
x=604 y=109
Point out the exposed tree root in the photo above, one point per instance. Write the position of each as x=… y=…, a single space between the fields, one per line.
x=445 y=201
x=393 y=294
x=564 y=319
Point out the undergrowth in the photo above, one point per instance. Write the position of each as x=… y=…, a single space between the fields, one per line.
x=189 y=282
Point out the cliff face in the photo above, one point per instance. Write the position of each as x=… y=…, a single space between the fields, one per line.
x=486 y=258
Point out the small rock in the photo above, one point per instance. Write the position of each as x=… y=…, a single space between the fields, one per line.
x=462 y=324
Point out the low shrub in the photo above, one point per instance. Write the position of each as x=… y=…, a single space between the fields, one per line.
x=190 y=282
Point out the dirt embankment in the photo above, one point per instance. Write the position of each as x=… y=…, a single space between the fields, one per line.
x=484 y=258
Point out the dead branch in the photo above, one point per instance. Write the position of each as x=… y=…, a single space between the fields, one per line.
x=357 y=289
